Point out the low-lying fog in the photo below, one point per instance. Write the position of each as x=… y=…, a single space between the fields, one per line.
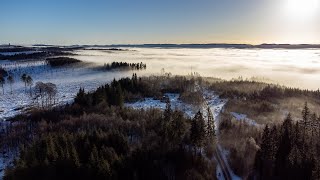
x=296 y=68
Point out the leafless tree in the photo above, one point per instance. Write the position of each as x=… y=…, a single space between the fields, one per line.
x=2 y=82
x=46 y=92
x=29 y=82
x=11 y=81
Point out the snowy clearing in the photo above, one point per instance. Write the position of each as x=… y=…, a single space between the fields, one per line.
x=244 y=118
x=148 y=103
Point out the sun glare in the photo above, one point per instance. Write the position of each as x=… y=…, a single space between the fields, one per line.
x=302 y=8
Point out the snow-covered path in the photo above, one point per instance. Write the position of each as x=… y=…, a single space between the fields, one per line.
x=216 y=106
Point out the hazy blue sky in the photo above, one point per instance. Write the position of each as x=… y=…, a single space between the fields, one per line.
x=161 y=21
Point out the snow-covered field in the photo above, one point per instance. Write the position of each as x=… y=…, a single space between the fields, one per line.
x=68 y=81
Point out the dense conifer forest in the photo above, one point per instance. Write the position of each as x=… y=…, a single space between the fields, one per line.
x=61 y=61
x=124 y=65
x=97 y=137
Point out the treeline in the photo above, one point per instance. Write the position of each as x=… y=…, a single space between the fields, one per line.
x=15 y=49
x=134 y=88
x=258 y=91
x=116 y=93
x=61 y=61
x=112 y=142
x=124 y=65
x=20 y=56
x=35 y=55
x=290 y=151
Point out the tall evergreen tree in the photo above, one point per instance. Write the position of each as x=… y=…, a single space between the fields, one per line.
x=198 y=131
x=282 y=166
x=305 y=120
x=210 y=124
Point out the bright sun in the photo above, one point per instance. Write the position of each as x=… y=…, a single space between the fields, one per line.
x=302 y=8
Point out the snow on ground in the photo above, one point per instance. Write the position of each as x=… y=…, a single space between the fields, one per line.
x=148 y=103
x=67 y=79
x=224 y=154
x=216 y=105
x=243 y=117
x=6 y=159
x=219 y=173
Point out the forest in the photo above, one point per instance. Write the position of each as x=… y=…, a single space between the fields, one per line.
x=105 y=140
x=37 y=54
x=98 y=137
x=124 y=65
x=61 y=61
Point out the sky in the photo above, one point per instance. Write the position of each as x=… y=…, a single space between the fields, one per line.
x=159 y=21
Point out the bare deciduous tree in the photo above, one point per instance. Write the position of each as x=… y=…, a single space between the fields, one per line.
x=2 y=82
x=11 y=81
x=46 y=92
x=29 y=82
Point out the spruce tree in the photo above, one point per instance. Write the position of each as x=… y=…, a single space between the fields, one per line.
x=282 y=166
x=210 y=125
x=305 y=120
x=198 y=131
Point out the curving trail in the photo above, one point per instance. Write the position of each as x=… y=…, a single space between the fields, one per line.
x=224 y=168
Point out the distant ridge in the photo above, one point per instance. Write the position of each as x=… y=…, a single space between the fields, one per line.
x=237 y=46
x=212 y=45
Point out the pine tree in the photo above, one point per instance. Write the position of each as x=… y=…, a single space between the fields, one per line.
x=168 y=111
x=282 y=166
x=178 y=128
x=198 y=131
x=263 y=161
x=305 y=120
x=119 y=98
x=75 y=156
x=94 y=157
x=210 y=124
x=313 y=126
